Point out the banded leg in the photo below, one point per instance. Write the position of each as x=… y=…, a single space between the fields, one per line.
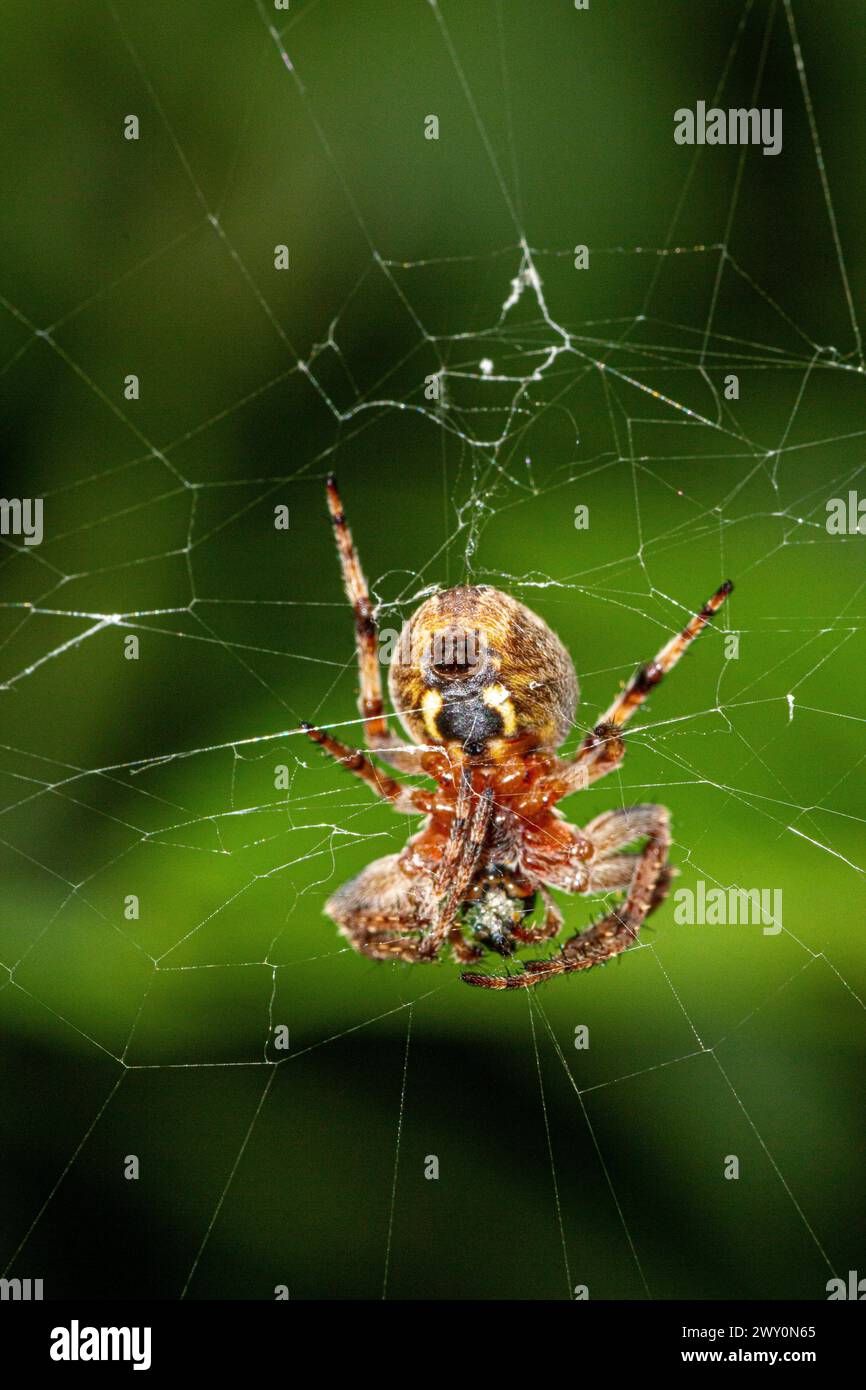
x=614 y=933
x=603 y=750
x=550 y=926
x=452 y=882
x=454 y=847
x=388 y=915
x=371 y=707
x=412 y=800
x=378 y=912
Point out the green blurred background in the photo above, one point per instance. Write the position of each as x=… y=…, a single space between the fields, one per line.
x=156 y=777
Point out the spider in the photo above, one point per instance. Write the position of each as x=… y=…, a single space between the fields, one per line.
x=487 y=693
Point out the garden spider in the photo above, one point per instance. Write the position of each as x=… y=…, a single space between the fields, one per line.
x=487 y=693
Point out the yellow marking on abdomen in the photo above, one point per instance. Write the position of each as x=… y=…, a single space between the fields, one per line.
x=431 y=704
x=498 y=698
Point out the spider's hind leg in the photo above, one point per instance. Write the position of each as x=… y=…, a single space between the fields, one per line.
x=647 y=877
x=378 y=914
x=549 y=926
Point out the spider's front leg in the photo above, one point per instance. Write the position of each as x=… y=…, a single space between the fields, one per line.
x=644 y=875
x=405 y=906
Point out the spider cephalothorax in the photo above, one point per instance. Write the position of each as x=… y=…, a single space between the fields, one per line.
x=487 y=693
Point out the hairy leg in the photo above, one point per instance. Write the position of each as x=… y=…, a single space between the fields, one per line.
x=647 y=884
x=468 y=834
x=550 y=926
x=389 y=915
x=464 y=810
x=379 y=912
x=602 y=750
x=377 y=731
x=412 y=800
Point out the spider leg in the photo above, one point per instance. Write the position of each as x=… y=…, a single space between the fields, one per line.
x=381 y=912
x=612 y=874
x=455 y=844
x=390 y=915
x=647 y=887
x=622 y=825
x=467 y=839
x=544 y=930
x=602 y=749
x=377 y=731
x=648 y=676
x=462 y=951
x=412 y=800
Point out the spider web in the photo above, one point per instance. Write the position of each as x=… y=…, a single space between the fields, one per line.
x=181 y=778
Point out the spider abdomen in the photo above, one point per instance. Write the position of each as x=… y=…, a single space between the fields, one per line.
x=477 y=670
